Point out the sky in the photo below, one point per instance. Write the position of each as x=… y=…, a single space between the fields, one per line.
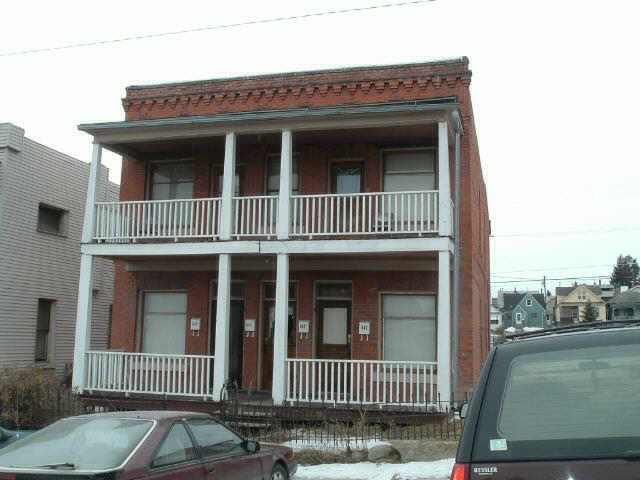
x=554 y=95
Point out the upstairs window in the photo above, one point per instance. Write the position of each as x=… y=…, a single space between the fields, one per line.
x=529 y=302
x=171 y=181
x=273 y=175
x=346 y=177
x=409 y=170
x=51 y=219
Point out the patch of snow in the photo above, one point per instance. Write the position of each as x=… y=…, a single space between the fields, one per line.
x=532 y=329
x=339 y=445
x=440 y=469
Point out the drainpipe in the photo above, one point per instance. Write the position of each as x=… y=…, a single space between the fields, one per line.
x=455 y=327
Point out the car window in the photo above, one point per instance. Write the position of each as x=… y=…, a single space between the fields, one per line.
x=561 y=403
x=177 y=447
x=86 y=442
x=214 y=438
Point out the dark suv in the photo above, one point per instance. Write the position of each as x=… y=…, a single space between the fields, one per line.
x=561 y=404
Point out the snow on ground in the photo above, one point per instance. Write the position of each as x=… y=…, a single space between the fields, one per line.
x=333 y=445
x=440 y=469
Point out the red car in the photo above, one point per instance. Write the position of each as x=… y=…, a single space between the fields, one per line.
x=143 y=445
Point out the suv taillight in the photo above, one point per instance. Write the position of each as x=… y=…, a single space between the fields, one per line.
x=460 y=472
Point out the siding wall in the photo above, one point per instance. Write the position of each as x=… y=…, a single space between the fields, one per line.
x=37 y=265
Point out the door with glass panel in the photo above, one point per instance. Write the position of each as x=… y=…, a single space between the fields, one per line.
x=347 y=180
x=411 y=173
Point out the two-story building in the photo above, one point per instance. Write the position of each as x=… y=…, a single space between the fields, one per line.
x=318 y=236
x=571 y=302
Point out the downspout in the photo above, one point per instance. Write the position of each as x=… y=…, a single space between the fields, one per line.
x=455 y=323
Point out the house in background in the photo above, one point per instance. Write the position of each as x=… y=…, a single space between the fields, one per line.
x=42 y=193
x=297 y=234
x=570 y=303
x=495 y=319
x=626 y=305
x=523 y=311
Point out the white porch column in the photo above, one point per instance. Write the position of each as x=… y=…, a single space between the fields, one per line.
x=281 y=330
x=284 y=195
x=228 y=187
x=85 y=282
x=444 y=328
x=223 y=316
x=444 y=181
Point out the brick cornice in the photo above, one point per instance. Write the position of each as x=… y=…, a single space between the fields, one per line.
x=293 y=90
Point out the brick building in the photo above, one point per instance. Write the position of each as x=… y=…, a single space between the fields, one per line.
x=301 y=234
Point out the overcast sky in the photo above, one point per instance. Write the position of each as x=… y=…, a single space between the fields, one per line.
x=554 y=91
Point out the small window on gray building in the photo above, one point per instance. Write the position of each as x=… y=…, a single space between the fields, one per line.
x=51 y=219
x=43 y=330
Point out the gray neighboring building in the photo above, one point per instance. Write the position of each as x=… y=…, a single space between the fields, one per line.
x=42 y=198
x=626 y=305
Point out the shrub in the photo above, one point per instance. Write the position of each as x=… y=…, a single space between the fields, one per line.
x=33 y=397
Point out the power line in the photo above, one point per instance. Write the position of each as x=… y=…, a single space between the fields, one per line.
x=568 y=232
x=215 y=27
x=553 y=269
x=533 y=280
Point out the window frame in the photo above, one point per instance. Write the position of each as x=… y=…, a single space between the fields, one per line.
x=169 y=161
x=49 y=345
x=201 y=448
x=197 y=454
x=381 y=317
x=295 y=160
x=62 y=224
x=142 y=314
x=386 y=151
x=345 y=163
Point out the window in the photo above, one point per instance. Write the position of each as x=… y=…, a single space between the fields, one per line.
x=273 y=174
x=214 y=438
x=170 y=181
x=270 y=310
x=89 y=442
x=218 y=173
x=409 y=170
x=334 y=291
x=494 y=321
x=177 y=447
x=529 y=302
x=51 y=219
x=43 y=330
x=164 y=322
x=518 y=318
x=574 y=386
x=409 y=327
x=346 y=177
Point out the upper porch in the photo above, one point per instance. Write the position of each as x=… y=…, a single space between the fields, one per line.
x=379 y=172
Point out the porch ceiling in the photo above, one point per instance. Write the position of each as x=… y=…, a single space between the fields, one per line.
x=141 y=137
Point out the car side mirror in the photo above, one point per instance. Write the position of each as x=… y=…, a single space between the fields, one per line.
x=464 y=408
x=251 y=446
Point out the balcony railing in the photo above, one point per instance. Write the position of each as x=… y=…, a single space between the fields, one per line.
x=255 y=216
x=361 y=382
x=365 y=213
x=157 y=219
x=326 y=215
x=158 y=374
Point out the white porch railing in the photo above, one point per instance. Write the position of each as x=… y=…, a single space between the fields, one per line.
x=157 y=219
x=255 y=216
x=160 y=374
x=361 y=382
x=365 y=213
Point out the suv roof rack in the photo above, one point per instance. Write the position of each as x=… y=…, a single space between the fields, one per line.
x=603 y=325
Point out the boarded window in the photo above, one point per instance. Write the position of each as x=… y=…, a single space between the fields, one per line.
x=409 y=327
x=164 y=322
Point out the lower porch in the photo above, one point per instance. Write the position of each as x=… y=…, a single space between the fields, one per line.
x=345 y=332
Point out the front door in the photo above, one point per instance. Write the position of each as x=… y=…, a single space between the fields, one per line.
x=236 y=339
x=334 y=325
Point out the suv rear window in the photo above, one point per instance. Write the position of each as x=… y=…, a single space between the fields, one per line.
x=564 y=401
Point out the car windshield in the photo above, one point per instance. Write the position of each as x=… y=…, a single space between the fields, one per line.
x=79 y=443
x=563 y=403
